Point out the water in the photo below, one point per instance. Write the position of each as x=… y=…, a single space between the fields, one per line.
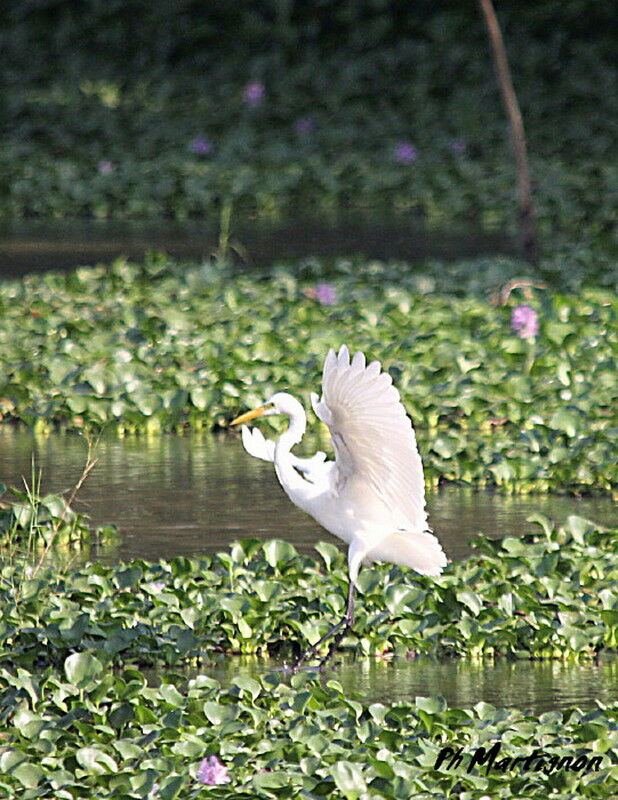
x=28 y=246
x=534 y=686
x=192 y=495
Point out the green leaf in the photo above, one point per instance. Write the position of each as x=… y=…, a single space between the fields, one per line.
x=217 y=713
x=470 y=600
x=399 y=598
x=564 y=420
x=431 y=705
x=329 y=552
x=82 y=668
x=273 y=780
x=171 y=694
x=278 y=552
x=248 y=684
x=349 y=779
x=29 y=775
x=200 y=397
x=579 y=527
x=95 y=761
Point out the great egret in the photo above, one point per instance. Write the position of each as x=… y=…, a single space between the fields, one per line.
x=372 y=496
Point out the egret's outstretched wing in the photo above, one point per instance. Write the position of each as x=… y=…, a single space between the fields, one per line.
x=315 y=469
x=373 y=438
x=256 y=445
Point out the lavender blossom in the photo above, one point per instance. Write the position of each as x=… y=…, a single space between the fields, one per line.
x=105 y=167
x=324 y=293
x=212 y=772
x=405 y=152
x=254 y=93
x=201 y=146
x=525 y=321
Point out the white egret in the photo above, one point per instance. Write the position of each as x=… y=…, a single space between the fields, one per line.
x=372 y=496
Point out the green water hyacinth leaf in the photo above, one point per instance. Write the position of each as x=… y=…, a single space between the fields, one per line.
x=278 y=552
x=247 y=684
x=15 y=764
x=171 y=694
x=349 y=779
x=431 y=705
x=95 y=761
x=218 y=714
x=29 y=724
x=200 y=397
x=491 y=425
x=82 y=668
x=471 y=601
x=329 y=552
x=29 y=775
x=579 y=527
x=275 y=780
x=400 y=598
x=567 y=421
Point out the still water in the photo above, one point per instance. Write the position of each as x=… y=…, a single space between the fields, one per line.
x=191 y=495
x=534 y=686
x=34 y=246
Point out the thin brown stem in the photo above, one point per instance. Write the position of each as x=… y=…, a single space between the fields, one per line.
x=527 y=227
x=88 y=467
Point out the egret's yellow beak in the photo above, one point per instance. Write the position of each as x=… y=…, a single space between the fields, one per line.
x=256 y=412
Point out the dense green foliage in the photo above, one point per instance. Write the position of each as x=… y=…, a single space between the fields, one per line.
x=102 y=104
x=70 y=725
x=552 y=595
x=184 y=109
x=84 y=732
x=155 y=347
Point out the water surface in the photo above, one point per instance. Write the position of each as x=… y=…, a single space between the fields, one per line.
x=34 y=246
x=191 y=495
x=534 y=686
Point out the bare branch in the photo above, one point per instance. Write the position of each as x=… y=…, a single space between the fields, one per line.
x=527 y=227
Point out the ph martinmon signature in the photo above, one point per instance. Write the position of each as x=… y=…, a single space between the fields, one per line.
x=537 y=761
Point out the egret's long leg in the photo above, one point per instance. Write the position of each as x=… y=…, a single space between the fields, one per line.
x=340 y=629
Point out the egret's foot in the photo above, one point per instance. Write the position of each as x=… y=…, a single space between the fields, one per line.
x=323 y=664
x=340 y=629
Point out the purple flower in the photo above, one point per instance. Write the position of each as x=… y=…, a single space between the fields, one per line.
x=405 y=153
x=201 y=146
x=524 y=320
x=458 y=146
x=105 y=167
x=254 y=93
x=304 y=126
x=325 y=293
x=212 y=772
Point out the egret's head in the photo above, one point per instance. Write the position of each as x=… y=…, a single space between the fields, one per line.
x=279 y=403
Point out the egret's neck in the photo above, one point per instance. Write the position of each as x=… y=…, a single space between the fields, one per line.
x=294 y=433
x=288 y=476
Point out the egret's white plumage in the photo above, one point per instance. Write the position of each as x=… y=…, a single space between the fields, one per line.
x=372 y=496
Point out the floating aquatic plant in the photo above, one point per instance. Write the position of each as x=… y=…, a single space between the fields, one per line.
x=138 y=348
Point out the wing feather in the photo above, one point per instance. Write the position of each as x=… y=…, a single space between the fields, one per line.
x=316 y=469
x=373 y=437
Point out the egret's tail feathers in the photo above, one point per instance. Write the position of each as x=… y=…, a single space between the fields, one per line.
x=420 y=551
